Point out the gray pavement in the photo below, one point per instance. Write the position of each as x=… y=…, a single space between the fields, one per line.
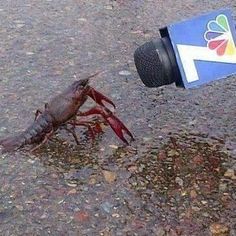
x=177 y=177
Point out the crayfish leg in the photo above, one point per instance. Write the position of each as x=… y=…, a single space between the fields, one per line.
x=116 y=124
x=46 y=138
x=89 y=124
x=72 y=131
x=37 y=113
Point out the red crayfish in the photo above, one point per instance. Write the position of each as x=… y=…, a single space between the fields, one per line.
x=63 y=110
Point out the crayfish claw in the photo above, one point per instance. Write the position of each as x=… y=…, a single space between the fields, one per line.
x=99 y=98
x=119 y=128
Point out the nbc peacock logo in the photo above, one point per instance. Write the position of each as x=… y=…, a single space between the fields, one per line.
x=219 y=36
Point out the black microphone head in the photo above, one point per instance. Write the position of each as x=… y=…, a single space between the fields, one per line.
x=154 y=64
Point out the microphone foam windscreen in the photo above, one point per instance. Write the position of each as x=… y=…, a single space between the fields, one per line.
x=150 y=65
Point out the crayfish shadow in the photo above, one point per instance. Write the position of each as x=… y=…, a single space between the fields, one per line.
x=65 y=154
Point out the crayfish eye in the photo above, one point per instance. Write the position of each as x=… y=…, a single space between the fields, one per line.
x=84 y=82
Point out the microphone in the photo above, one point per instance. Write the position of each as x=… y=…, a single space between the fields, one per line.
x=156 y=63
x=190 y=53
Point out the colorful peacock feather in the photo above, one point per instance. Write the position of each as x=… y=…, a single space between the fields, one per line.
x=219 y=36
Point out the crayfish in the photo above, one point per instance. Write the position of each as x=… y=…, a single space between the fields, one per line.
x=63 y=111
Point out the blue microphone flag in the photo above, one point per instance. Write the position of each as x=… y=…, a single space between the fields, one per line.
x=205 y=47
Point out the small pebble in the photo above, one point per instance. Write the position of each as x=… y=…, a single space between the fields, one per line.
x=196 y=208
x=29 y=53
x=31 y=161
x=43 y=216
x=230 y=174
x=29 y=202
x=20 y=25
x=92 y=181
x=124 y=73
x=222 y=187
x=109 y=176
x=81 y=216
x=72 y=191
x=179 y=181
x=19 y=207
x=108 y=7
x=82 y=19
x=113 y=146
x=71 y=184
x=205 y=214
x=172 y=153
x=218 y=229
x=2 y=129
x=204 y=202
x=107 y=207
x=193 y=194
x=132 y=168
x=115 y=215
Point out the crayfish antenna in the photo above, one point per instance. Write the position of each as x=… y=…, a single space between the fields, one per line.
x=95 y=74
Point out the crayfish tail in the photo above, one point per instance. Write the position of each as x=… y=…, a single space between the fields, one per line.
x=10 y=144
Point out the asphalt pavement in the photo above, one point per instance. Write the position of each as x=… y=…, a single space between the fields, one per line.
x=179 y=175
